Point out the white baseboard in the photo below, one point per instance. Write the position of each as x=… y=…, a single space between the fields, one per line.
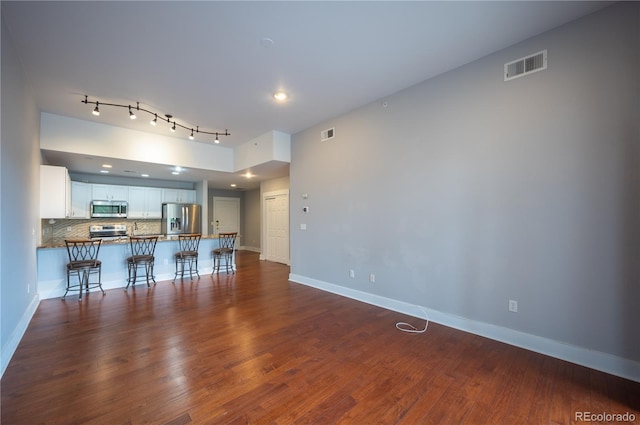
x=597 y=360
x=18 y=333
x=250 y=248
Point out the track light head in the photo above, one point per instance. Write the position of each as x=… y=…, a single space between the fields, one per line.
x=96 y=110
x=131 y=114
x=191 y=135
x=154 y=121
x=217 y=139
x=173 y=129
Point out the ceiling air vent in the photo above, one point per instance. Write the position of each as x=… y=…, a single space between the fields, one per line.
x=525 y=66
x=327 y=134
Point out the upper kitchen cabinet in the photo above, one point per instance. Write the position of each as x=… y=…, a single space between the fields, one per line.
x=80 y=199
x=108 y=192
x=182 y=196
x=145 y=202
x=55 y=192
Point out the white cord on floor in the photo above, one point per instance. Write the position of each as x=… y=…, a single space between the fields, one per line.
x=406 y=327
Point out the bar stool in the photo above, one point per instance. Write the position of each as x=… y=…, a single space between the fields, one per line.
x=188 y=254
x=227 y=246
x=83 y=262
x=142 y=249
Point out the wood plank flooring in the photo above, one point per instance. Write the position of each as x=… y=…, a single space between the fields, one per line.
x=255 y=348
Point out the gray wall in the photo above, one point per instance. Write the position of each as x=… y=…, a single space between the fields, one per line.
x=467 y=191
x=281 y=183
x=251 y=221
x=19 y=201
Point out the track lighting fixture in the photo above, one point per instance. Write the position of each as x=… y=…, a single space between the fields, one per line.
x=167 y=118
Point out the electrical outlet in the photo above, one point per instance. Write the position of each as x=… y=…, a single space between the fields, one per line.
x=372 y=278
x=352 y=274
x=513 y=306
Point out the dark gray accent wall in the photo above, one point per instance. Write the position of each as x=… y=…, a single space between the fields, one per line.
x=466 y=191
x=251 y=221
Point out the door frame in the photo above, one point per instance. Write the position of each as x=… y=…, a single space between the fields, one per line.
x=213 y=212
x=263 y=225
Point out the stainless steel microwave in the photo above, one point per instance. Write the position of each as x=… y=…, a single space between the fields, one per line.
x=109 y=209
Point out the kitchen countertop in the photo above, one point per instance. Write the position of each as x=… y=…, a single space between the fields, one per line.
x=59 y=243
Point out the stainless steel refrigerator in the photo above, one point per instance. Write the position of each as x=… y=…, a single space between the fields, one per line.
x=180 y=218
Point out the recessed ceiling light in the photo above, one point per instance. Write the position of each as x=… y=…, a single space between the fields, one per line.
x=175 y=173
x=104 y=171
x=248 y=174
x=144 y=175
x=233 y=185
x=106 y=165
x=280 y=96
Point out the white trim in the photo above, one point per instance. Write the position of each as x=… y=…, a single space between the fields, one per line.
x=249 y=248
x=263 y=222
x=597 y=360
x=9 y=350
x=239 y=215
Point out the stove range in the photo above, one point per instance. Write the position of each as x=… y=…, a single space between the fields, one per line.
x=108 y=231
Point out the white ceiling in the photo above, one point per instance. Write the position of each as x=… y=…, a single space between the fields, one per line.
x=205 y=62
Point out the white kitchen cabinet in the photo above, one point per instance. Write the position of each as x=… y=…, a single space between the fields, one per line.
x=145 y=202
x=182 y=196
x=109 y=192
x=55 y=192
x=80 y=199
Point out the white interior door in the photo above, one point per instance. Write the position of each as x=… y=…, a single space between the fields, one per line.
x=276 y=220
x=226 y=214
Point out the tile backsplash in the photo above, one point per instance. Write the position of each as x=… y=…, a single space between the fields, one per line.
x=75 y=229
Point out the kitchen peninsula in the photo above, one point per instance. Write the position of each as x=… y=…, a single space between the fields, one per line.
x=80 y=210
x=52 y=260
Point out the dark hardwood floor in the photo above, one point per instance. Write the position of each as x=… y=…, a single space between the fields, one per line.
x=255 y=348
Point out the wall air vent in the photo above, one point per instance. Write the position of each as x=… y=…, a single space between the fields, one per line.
x=525 y=66
x=327 y=134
